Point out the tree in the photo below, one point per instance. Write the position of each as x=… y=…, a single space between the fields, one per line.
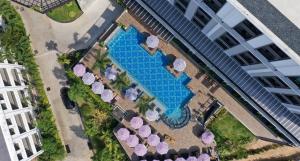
x=121 y=82
x=63 y=59
x=102 y=61
x=143 y=103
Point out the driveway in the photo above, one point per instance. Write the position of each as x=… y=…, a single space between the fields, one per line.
x=50 y=38
x=68 y=121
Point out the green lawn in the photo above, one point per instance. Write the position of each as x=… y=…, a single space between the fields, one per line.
x=65 y=13
x=230 y=135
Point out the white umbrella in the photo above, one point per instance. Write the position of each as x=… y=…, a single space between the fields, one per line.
x=131 y=94
x=111 y=73
x=132 y=141
x=153 y=140
x=97 y=87
x=123 y=134
x=152 y=41
x=144 y=131
x=152 y=115
x=162 y=148
x=107 y=95
x=191 y=158
x=207 y=137
x=88 y=78
x=79 y=70
x=140 y=150
x=204 y=157
x=136 y=122
x=179 y=64
x=168 y=160
x=180 y=159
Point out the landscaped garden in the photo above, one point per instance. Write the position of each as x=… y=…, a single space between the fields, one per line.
x=97 y=115
x=231 y=136
x=16 y=47
x=66 y=13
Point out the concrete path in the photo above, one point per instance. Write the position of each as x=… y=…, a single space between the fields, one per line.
x=68 y=121
x=49 y=38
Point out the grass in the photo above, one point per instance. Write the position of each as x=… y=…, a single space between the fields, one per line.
x=66 y=13
x=231 y=136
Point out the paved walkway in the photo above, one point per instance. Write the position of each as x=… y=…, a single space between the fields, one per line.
x=49 y=38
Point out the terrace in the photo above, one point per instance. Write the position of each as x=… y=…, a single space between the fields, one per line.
x=206 y=93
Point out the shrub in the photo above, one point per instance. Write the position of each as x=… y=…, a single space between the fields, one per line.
x=15 y=40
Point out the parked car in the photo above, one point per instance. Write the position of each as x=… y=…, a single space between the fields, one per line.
x=66 y=100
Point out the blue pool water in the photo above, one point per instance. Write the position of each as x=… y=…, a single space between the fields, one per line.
x=150 y=71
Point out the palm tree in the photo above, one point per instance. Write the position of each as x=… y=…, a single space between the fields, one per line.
x=102 y=61
x=63 y=59
x=144 y=103
x=121 y=82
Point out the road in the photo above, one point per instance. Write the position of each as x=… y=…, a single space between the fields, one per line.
x=50 y=38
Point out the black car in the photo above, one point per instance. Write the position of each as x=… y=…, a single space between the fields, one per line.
x=64 y=96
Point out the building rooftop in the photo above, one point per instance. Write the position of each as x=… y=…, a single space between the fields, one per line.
x=3 y=149
x=280 y=16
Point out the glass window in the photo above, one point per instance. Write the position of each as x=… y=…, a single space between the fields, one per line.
x=215 y=5
x=296 y=80
x=281 y=98
x=247 y=30
x=182 y=4
x=272 y=82
x=226 y=41
x=246 y=58
x=272 y=53
x=294 y=99
x=201 y=18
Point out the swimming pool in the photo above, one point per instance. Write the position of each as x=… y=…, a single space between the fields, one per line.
x=150 y=71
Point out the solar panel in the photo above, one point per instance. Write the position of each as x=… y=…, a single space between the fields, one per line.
x=213 y=53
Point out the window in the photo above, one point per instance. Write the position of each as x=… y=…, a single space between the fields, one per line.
x=272 y=52
x=226 y=41
x=8 y=121
x=215 y=5
x=247 y=30
x=201 y=18
x=246 y=58
x=272 y=82
x=294 y=99
x=182 y=4
x=281 y=98
x=296 y=80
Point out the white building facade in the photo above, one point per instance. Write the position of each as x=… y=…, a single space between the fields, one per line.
x=257 y=48
x=19 y=137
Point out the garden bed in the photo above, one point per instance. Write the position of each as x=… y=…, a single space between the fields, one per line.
x=231 y=136
x=68 y=12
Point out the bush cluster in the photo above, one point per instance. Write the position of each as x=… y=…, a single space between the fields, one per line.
x=16 y=47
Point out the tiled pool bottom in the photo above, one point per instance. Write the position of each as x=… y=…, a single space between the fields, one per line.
x=150 y=72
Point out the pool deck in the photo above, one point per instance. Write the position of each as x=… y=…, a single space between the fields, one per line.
x=205 y=89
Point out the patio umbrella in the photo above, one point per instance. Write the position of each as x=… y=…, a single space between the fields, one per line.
x=136 y=122
x=162 y=148
x=140 y=150
x=191 y=158
x=79 y=70
x=97 y=87
x=111 y=73
x=168 y=160
x=207 y=137
x=131 y=94
x=123 y=134
x=152 y=115
x=179 y=64
x=204 y=157
x=153 y=140
x=88 y=78
x=107 y=95
x=144 y=131
x=132 y=141
x=180 y=159
x=152 y=41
